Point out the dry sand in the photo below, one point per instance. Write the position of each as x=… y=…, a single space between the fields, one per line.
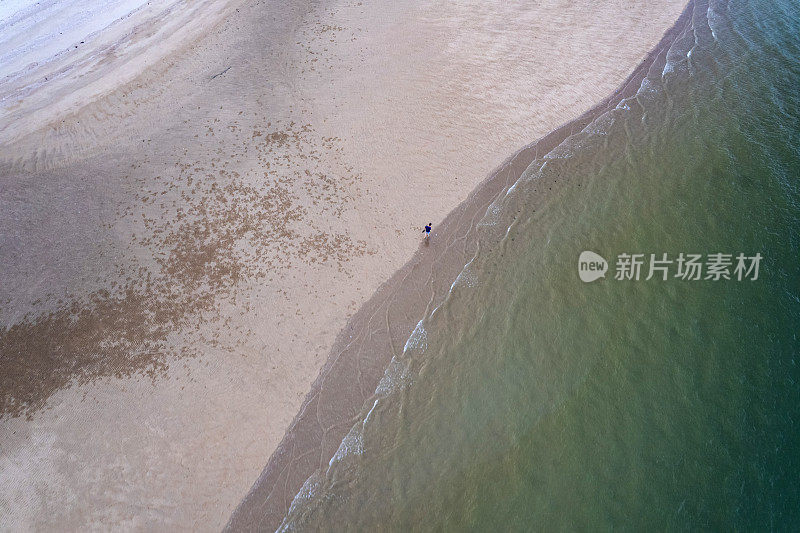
x=180 y=251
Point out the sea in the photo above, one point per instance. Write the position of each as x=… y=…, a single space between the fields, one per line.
x=662 y=395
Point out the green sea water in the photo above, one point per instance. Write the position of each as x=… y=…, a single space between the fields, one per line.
x=530 y=400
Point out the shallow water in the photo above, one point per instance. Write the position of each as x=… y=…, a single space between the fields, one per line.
x=532 y=400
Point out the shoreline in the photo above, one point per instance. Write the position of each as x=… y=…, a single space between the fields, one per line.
x=380 y=327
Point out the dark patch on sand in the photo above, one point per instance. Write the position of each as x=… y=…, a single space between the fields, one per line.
x=218 y=74
x=207 y=229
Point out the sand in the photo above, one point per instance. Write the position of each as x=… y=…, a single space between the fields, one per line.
x=181 y=245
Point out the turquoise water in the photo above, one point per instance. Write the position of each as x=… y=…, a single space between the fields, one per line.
x=530 y=400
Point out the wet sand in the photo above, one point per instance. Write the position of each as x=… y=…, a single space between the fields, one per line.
x=180 y=252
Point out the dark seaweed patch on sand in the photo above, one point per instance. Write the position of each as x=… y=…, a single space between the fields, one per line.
x=208 y=228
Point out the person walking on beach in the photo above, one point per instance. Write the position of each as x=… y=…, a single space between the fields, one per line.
x=427 y=230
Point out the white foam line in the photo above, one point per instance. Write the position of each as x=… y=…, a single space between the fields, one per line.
x=366 y=419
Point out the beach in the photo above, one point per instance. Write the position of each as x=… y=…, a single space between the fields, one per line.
x=376 y=343
x=184 y=241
